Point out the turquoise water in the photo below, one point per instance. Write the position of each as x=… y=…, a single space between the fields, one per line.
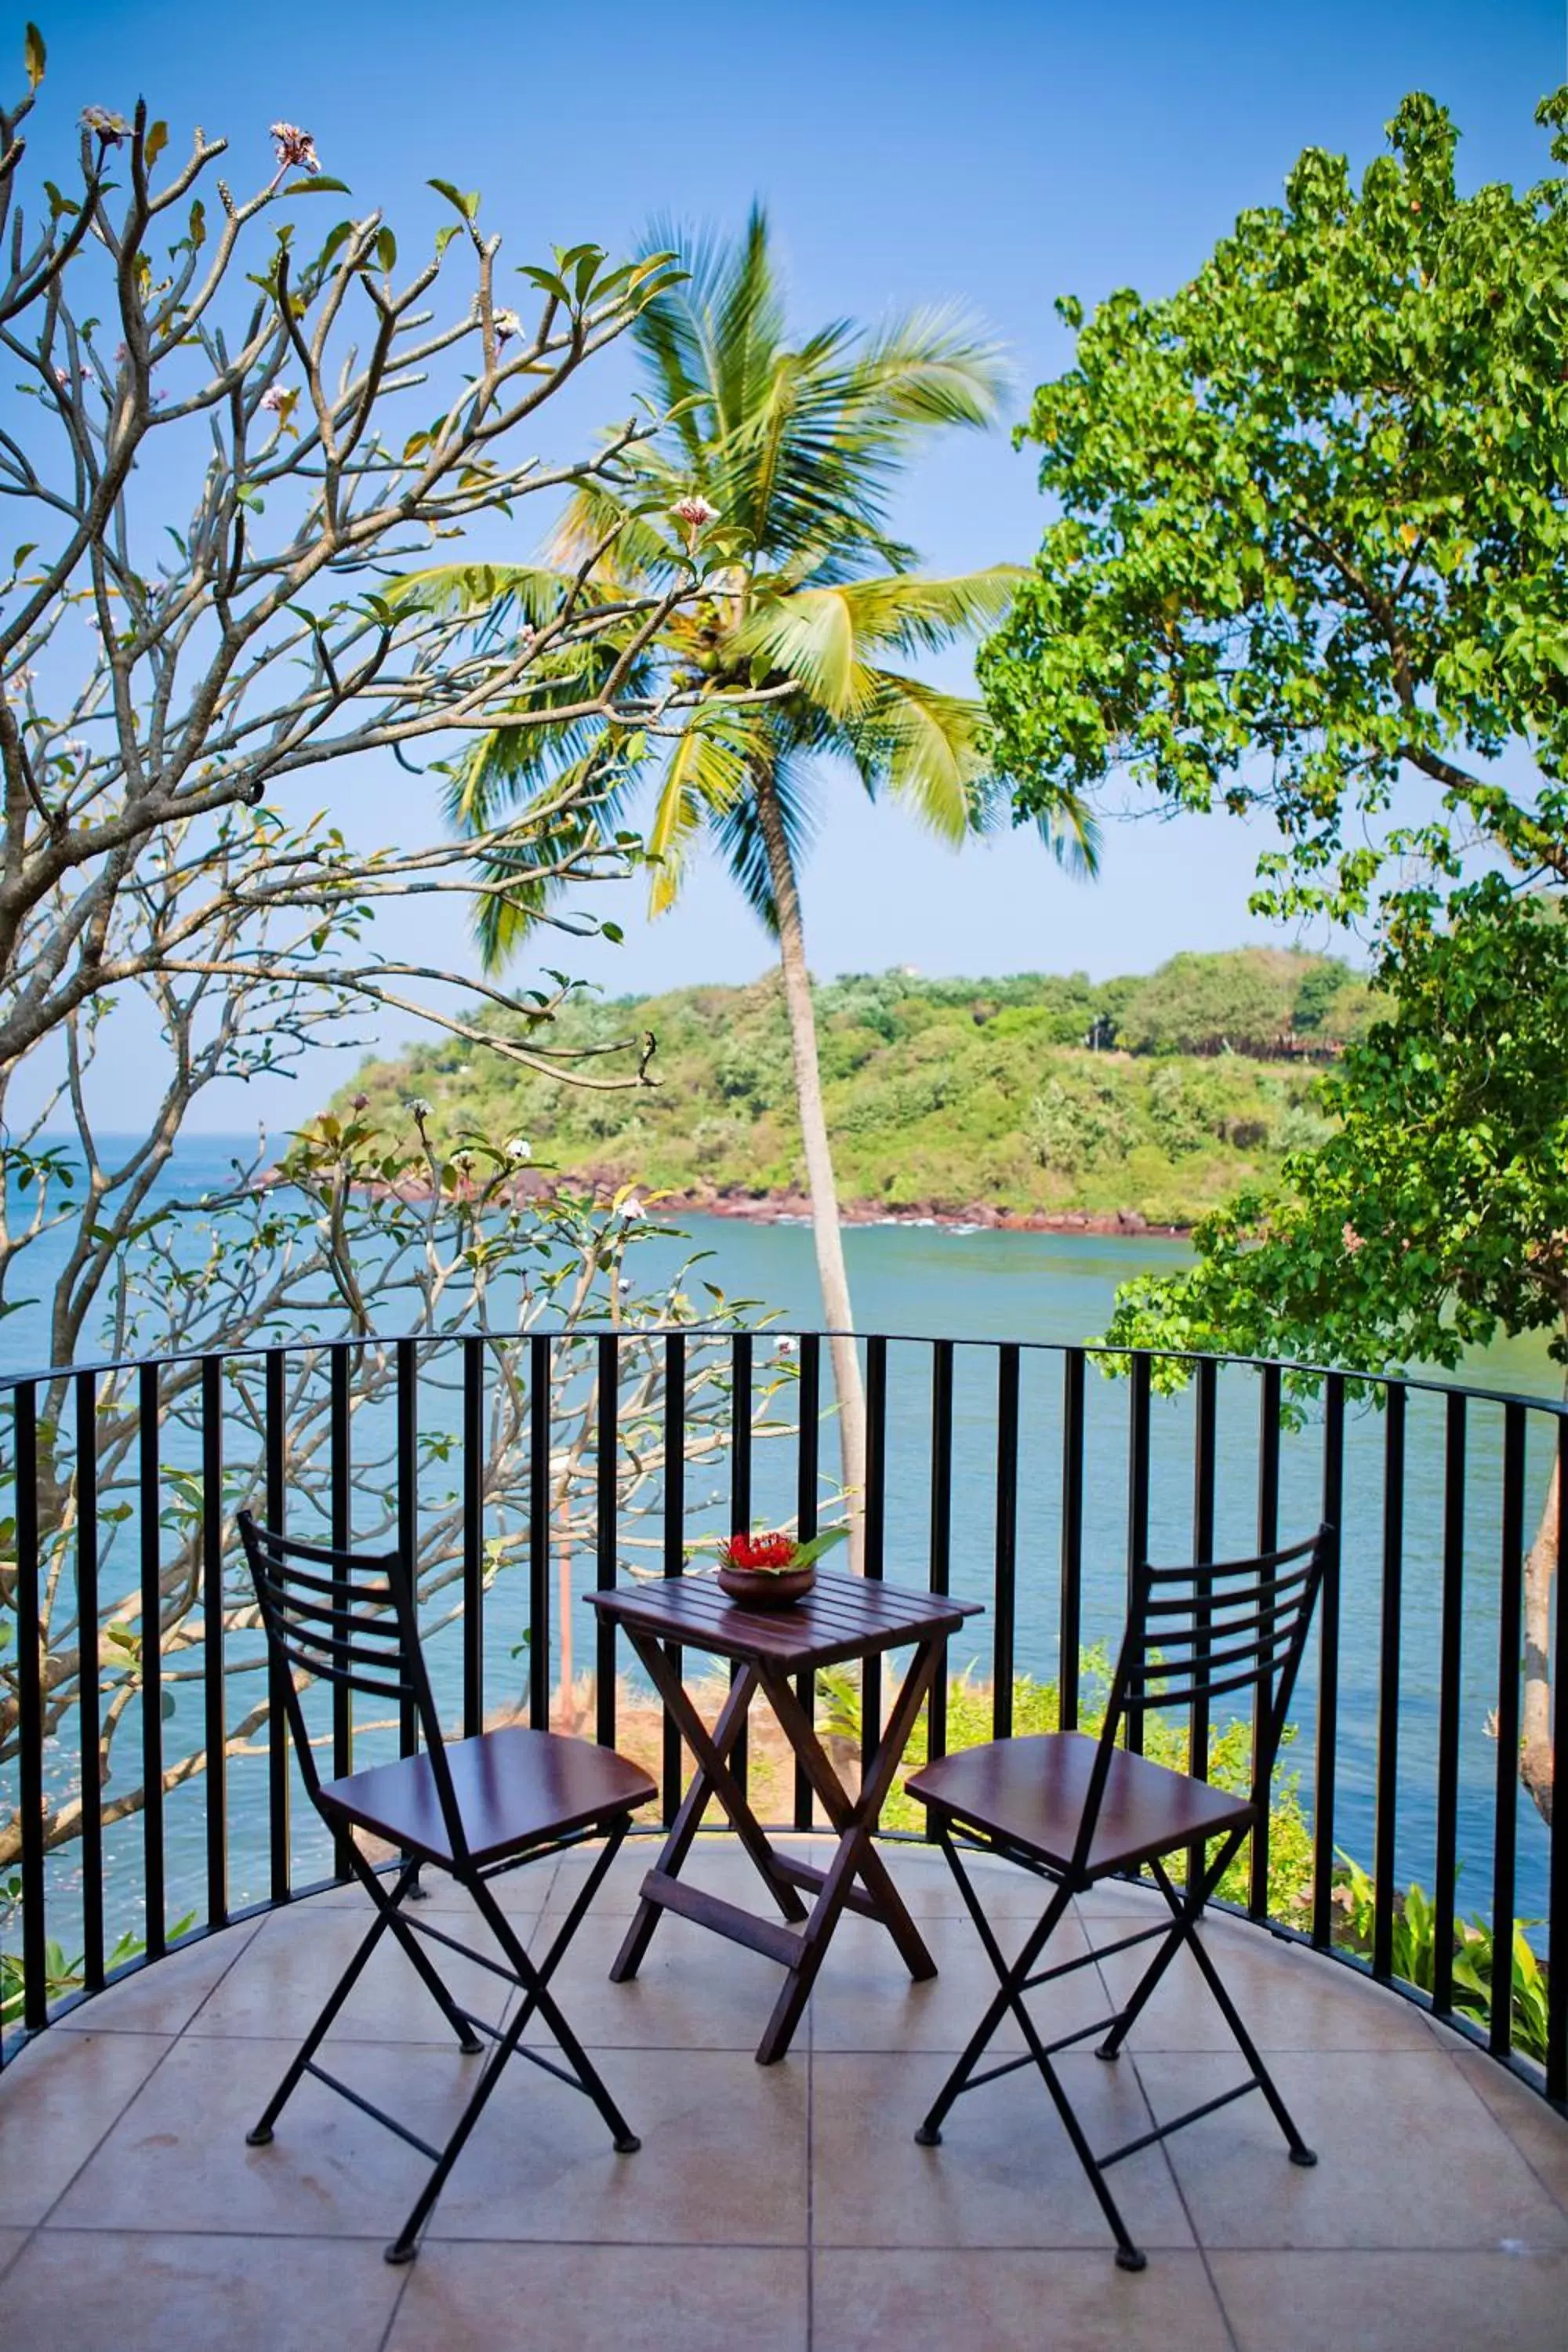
x=1050 y=1288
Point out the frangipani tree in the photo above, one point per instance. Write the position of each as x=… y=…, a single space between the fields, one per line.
x=773 y=473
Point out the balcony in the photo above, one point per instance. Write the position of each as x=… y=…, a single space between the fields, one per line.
x=780 y=2208
x=787 y=2206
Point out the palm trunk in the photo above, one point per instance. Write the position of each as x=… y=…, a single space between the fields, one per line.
x=825 y=1226
x=1535 y=1743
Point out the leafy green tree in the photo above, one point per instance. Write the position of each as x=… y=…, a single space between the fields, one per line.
x=773 y=477
x=1435 y=1217
x=1313 y=518
x=1239 y=1004
x=1313 y=532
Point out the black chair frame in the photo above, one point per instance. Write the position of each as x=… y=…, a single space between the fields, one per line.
x=1194 y=1633
x=356 y=1626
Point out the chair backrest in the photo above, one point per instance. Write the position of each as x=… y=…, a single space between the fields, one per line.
x=1211 y=1631
x=346 y=1618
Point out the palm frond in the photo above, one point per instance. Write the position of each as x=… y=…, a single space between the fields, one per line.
x=704 y=776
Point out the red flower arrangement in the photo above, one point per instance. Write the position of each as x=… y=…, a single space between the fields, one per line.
x=774 y=1553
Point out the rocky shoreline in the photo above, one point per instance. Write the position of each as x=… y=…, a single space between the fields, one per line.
x=979 y=1216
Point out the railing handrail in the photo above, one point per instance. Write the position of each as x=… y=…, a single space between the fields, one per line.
x=1413 y=1384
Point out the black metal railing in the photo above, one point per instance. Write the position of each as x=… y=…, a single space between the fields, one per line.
x=147 y=1789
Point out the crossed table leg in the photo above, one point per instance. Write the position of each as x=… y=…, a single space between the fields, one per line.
x=800 y=1941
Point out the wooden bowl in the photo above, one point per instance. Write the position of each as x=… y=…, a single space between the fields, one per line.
x=761 y=1588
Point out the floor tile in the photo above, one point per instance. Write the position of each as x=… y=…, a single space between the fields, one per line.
x=11 y=2244
x=278 y=1984
x=933 y=2299
x=1539 y=2132
x=163 y=1997
x=587 y=2298
x=141 y=2291
x=57 y=2101
x=1409 y=2156
x=722 y=2161
x=865 y=1997
x=179 y=2151
x=1389 y=2303
x=694 y=1990
x=1005 y=2175
x=1289 y=1999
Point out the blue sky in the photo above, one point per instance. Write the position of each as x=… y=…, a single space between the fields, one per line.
x=999 y=153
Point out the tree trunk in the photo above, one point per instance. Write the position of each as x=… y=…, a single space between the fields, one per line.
x=825 y=1226
x=1535 y=1758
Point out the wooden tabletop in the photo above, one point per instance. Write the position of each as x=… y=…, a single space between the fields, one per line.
x=843 y=1617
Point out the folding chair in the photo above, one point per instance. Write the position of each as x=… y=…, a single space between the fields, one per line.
x=1074 y=1810
x=474 y=1809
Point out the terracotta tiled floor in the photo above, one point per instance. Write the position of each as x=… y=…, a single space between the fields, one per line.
x=780 y=2208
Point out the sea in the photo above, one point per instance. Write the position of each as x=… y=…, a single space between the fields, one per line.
x=920 y=1281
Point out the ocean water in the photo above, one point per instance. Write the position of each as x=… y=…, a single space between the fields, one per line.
x=923 y=1282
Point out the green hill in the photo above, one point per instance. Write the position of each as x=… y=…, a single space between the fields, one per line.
x=1036 y=1094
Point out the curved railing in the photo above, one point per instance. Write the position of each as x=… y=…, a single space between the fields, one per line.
x=148 y=1796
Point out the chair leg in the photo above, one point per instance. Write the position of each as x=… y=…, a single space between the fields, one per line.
x=262 y=2133
x=533 y=1978
x=1007 y=1995
x=1012 y=1977
x=1300 y=2151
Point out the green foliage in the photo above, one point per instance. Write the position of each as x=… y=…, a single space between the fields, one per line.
x=1415 y=1956
x=62 y=1976
x=1311 y=523
x=1432 y=1217
x=938 y=1093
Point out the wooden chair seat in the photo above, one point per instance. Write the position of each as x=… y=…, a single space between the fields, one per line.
x=1031 y=1793
x=513 y=1786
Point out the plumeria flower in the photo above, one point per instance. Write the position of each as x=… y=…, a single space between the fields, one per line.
x=296 y=148
x=63 y=377
x=632 y=1209
x=1350 y=1238
x=361 y=1102
x=418 y=1109
x=20 y=680
x=519 y=1147
x=276 y=401
x=108 y=126
x=785 y=1347
x=693 y=514
x=508 y=326
x=463 y=1161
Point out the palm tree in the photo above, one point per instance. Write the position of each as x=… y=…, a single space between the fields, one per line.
x=767 y=488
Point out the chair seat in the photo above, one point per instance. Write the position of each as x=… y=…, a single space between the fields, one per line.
x=513 y=1788
x=1032 y=1792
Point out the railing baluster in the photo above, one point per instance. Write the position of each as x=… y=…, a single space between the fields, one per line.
x=810 y=1393
x=1505 y=1835
x=1387 y=1793
x=941 y=1524
x=30 y=1710
x=606 y=1497
x=341 y=1515
x=1006 y=1573
x=408 y=1506
x=1070 y=1638
x=740 y=1492
x=539 y=1532
x=1451 y=1666
x=1328 y=1663
x=473 y=1538
x=215 y=1778
x=149 y=1531
x=1205 y=1417
x=1267 y=1540
x=674 y=1536
x=89 y=1698
x=1557 y=1947
x=274 y=1427
x=876 y=1534
x=1138 y=1418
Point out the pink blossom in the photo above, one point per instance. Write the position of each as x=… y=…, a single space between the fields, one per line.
x=276 y=400
x=1350 y=1238
x=108 y=126
x=694 y=513
x=296 y=148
